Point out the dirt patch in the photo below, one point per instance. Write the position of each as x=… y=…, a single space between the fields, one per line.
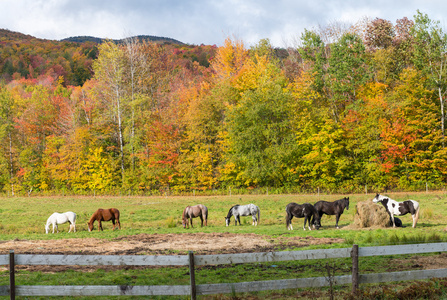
x=150 y=244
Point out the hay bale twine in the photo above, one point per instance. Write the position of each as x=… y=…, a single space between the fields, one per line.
x=370 y=214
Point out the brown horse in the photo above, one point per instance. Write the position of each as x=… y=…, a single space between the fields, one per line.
x=195 y=211
x=111 y=214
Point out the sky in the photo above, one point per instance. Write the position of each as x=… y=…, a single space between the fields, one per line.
x=198 y=22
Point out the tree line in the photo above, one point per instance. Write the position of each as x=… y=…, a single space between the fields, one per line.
x=348 y=106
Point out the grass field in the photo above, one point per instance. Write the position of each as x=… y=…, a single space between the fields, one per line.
x=24 y=219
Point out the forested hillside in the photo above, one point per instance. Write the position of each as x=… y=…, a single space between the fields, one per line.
x=343 y=109
x=140 y=38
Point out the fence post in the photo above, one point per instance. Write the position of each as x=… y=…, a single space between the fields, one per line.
x=12 y=281
x=192 y=275
x=355 y=268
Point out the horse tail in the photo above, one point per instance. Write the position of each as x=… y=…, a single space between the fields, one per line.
x=205 y=212
x=416 y=217
x=116 y=213
x=287 y=217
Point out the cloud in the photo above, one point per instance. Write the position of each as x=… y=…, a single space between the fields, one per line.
x=199 y=21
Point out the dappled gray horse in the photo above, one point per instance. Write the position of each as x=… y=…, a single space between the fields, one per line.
x=243 y=210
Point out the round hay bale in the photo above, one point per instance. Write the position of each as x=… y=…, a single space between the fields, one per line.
x=370 y=214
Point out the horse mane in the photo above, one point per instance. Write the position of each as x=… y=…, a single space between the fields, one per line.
x=184 y=212
x=230 y=212
x=93 y=218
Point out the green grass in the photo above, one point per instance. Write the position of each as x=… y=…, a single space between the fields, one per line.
x=24 y=218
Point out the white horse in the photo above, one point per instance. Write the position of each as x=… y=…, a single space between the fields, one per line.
x=243 y=210
x=399 y=208
x=58 y=218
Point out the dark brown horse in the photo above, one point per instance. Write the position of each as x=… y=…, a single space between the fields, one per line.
x=306 y=211
x=332 y=208
x=195 y=211
x=111 y=214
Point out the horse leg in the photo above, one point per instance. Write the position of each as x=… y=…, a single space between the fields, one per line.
x=100 y=225
x=337 y=217
x=113 y=222
x=392 y=220
x=201 y=219
x=190 y=219
x=308 y=222
x=289 y=219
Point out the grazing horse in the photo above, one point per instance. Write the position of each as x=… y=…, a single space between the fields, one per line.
x=62 y=218
x=332 y=208
x=397 y=222
x=195 y=211
x=399 y=208
x=306 y=211
x=111 y=214
x=243 y=210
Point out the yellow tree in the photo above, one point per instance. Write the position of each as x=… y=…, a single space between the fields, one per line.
x=109 y=70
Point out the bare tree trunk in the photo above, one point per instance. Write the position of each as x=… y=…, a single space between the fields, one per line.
x=131 y=45
x=87 y=118
x=11 y=166
x=441 y=100
x=120 y=131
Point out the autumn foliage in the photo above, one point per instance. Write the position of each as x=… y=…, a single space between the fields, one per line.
x=346 y=109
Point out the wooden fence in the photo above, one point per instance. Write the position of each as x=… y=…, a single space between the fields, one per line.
x=192 y=260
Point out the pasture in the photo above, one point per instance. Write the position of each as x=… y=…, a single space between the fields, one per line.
x=153 y=225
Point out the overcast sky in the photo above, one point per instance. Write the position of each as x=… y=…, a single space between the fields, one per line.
x=200 y=21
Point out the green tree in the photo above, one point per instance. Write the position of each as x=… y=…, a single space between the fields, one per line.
x=347 y=72
x=430 y=56
x=259 y=129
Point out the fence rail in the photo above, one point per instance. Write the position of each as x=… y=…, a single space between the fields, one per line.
x=192 y=260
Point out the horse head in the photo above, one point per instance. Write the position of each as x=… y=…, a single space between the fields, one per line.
x=379 y=198
x=317 y=223
x=47 y=228
x=90 y=226
x=227 y=221
x=376 y=198
x=347 y=202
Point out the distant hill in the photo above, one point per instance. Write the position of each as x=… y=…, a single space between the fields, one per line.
x=25 y=56
x=157 y=39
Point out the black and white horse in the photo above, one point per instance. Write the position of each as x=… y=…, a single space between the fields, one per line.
x=399 y=208
x=306 y=211
x=332 y=208
x=243 y=210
